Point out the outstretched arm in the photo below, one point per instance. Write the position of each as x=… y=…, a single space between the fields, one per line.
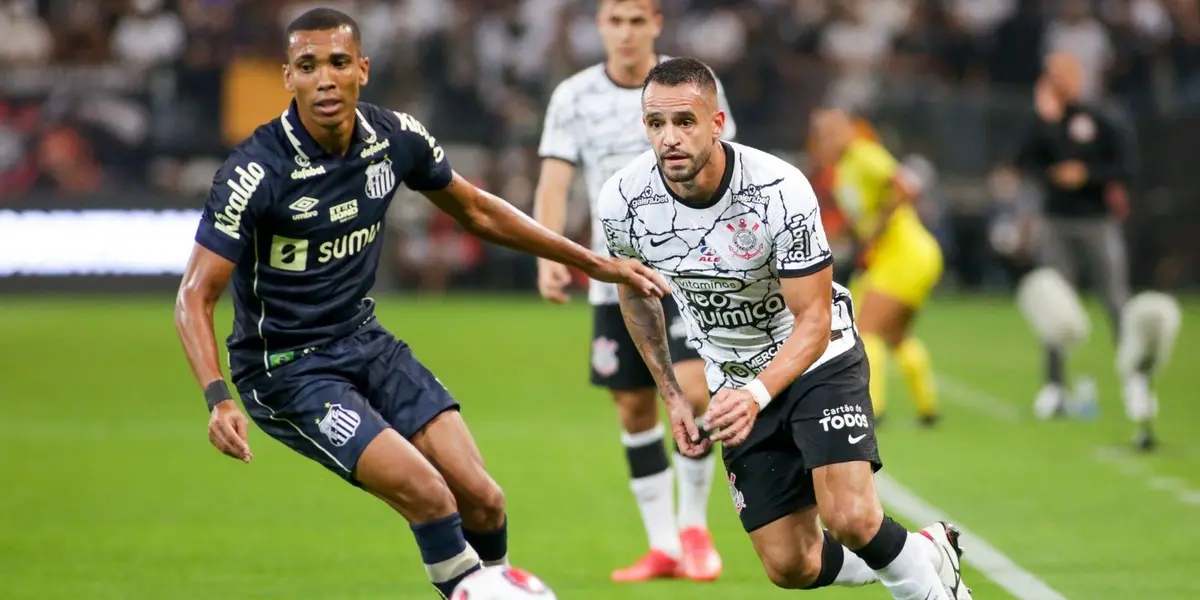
x=495 y=220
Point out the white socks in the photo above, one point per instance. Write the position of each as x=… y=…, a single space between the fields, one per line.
x=652 y=488
x=855 y=571
x=911 y=576
x=695 y=485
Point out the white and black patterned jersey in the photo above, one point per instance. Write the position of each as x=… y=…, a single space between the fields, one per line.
x=724 y=259
x=596 y=124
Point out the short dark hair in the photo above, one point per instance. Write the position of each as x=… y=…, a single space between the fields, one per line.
x=324 y=19
x=655 y=5
x=681 y=71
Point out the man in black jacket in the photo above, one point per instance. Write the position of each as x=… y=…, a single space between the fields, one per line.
x=1083 y=155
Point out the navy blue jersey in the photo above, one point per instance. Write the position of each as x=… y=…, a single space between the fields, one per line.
x=305 y=228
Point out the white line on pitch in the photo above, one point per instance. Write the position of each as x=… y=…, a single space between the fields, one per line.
x=966 y=395
x=1139 y=470
x=977 y=552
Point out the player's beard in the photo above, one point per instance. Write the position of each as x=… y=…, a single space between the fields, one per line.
x=698 y=162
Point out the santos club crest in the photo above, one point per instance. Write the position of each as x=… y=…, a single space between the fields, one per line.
x=746 y=242
x=380 y=179
x=339 y=425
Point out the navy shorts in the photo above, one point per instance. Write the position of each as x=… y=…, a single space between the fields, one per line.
x=329 y=404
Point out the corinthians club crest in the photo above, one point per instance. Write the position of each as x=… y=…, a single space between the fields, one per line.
x=746 y=243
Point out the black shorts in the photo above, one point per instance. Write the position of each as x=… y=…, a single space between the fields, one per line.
x=329 y=404
x=824 y=418
x=616 y=363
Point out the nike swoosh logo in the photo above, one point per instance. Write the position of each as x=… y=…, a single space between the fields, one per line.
x=656 y=242
x=856 y=439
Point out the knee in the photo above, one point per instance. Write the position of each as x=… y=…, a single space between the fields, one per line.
x=637 y=409
x=852 y=520
x=792 y=569
x=485 y=511
x=422 y=498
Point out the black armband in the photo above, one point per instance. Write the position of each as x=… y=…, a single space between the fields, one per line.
x=216 y=393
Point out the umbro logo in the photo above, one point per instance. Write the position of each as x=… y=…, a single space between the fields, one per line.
x=304 y=207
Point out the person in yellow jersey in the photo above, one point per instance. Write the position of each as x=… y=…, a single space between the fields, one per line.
x=900 y=261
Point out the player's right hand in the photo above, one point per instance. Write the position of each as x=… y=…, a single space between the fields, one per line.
x=227 y=429
x=689 y=437
x=643 y=279
x=553 y=279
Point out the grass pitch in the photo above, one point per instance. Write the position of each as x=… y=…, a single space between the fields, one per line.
x=109 y=489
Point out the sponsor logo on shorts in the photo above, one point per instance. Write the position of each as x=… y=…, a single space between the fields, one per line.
x=339 y=425
x=846 y=416
x=604 y=357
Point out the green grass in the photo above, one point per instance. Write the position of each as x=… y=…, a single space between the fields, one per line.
x=109 y=489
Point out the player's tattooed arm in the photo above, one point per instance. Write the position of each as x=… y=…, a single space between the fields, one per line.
x=647 y=325
x=493 y=219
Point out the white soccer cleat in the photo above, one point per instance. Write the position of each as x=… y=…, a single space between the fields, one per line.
x=949 y=564
x=1051 y=401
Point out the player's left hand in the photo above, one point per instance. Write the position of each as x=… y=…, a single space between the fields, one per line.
x=731 y=415
x=1069 y=174
x=645 y=280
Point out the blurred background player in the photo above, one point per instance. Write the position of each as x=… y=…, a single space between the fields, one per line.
x=901 y=261
x=594 y=120
x=1083 y=155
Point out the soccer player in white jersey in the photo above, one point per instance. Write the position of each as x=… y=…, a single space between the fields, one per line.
x=594 y=122
x=738 y=235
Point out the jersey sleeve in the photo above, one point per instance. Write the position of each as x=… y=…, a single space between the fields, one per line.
x=794 y=218
x=240 y=194
x=617 y=220
x=730 y=132
x=558 y=131
x=430 y=168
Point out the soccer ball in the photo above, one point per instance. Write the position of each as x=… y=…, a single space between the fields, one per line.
x=502 y=583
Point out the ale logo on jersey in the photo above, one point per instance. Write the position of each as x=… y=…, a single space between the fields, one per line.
x=708 y=254
x=746 y=243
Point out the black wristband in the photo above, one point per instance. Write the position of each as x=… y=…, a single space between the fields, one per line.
x=216 y=393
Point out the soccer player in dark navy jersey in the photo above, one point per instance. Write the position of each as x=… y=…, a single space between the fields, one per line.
x=295 y=220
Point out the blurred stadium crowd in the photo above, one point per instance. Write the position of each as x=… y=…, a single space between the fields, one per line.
x=133 y=103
